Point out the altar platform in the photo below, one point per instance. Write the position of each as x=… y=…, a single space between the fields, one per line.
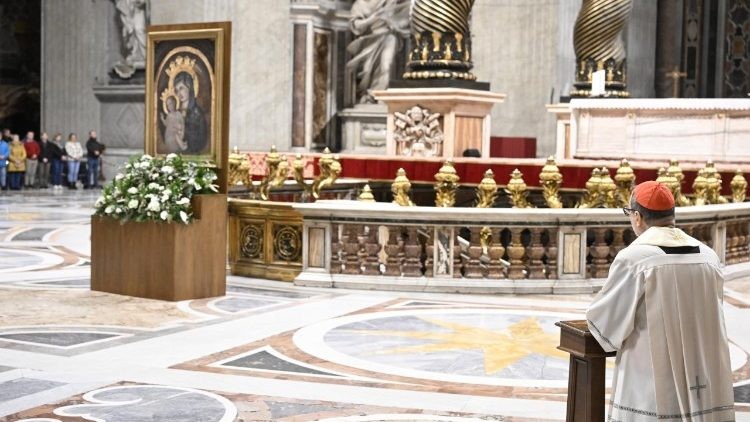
x=654 y=129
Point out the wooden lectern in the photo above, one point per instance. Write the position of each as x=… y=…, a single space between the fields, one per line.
x=586 y=373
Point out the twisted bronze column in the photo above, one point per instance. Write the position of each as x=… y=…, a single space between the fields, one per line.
x=598 y=44
x=440 y=40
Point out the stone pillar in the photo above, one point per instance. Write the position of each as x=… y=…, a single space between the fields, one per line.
x=668 y=45
x=599 y=45
x=261 y=97
x=641 y=43
x=75 y=45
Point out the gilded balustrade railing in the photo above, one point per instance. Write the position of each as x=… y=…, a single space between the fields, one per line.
x=378 y=245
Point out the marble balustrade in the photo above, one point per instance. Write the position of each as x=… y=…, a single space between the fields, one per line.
x=497 y=250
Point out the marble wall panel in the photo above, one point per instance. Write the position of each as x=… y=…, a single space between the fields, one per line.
x=515 y=47
x=76 y=56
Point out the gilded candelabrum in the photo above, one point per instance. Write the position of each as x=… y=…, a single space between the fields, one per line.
x=400 y=188
x=607 y=190
x=598 y=44
x=739 y=187
x=487 y=190
x=366 y=194
x=440 y=40
x=277 y=171
x=713 y=179
x=675 y=171
x=330 y=169
x=517 y=190
x=298 y=167
x=446 y=185
x=551 y=179
x=672 y=182
x=239 y=169
x=700 y=188
x=593 y=197
x=625 y=181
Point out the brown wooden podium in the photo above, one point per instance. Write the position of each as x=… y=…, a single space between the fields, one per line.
x=586 y=373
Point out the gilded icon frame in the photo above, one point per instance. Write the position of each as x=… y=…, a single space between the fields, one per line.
x=198 y=56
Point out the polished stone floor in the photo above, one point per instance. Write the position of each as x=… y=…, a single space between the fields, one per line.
x=268 y=351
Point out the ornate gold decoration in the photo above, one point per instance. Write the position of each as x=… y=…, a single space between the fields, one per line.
x=550 y=179
x=607 y=189
x=516 y=188
x=672 y=182
x=440 y=39
x=625 y=181
x=598 y=44
x=487 y=190
x=675 y=171
x=238 y=172
x=418 y=133
x=298 y=165
x=593 y=197
x=446 y=186
x=287 y=243
x=276 y=173
x=400 y=188
x=700 y=188
x=251 y=239
x=366 y=195
x=330 y=169
x=713 y=180
x=739 y=187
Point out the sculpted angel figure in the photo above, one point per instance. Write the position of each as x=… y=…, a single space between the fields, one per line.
x=418 y=133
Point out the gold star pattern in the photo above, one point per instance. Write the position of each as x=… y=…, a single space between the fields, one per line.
x=500 y=349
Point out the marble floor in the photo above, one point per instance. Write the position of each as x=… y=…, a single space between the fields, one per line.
x=269 y=351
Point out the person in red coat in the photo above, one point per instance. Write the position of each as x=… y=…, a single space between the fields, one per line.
x=32 y=159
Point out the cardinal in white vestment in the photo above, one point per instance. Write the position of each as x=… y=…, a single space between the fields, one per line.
x=661 y=311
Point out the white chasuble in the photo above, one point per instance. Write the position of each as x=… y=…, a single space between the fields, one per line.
x=661 y=310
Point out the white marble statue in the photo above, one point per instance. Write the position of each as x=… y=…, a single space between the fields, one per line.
x=379 y=27
x=418 y=133
x=134 y=16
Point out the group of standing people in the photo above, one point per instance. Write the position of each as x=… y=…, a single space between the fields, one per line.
x=37 y=164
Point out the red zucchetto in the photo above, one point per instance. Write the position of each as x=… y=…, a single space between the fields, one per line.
x=654 y=196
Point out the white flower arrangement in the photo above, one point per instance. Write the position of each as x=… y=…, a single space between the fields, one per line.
x=155 y=189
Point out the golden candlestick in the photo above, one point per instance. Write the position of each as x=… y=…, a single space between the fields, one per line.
x=551 y=179
x=517 y=190
x=487 y=190
x=739 y=187
x=607 y=190
x=330 y=169
x=273 y=162
x=713 y=179
x=625 y=181
x=700 y=188
x=239 y=169
x=592 y=199
x=675 y=171
x=366 y=194
x=446 y=185
x=400 y=188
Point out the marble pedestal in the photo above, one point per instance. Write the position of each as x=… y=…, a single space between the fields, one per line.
x=121 y=126
x=364 y=129
x=657 y=129
x=465 y=114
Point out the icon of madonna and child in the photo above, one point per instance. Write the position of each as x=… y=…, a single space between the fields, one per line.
x=185 y=88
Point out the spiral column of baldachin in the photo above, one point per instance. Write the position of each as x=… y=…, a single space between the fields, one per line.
x=598 y=44
x=441 y=40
